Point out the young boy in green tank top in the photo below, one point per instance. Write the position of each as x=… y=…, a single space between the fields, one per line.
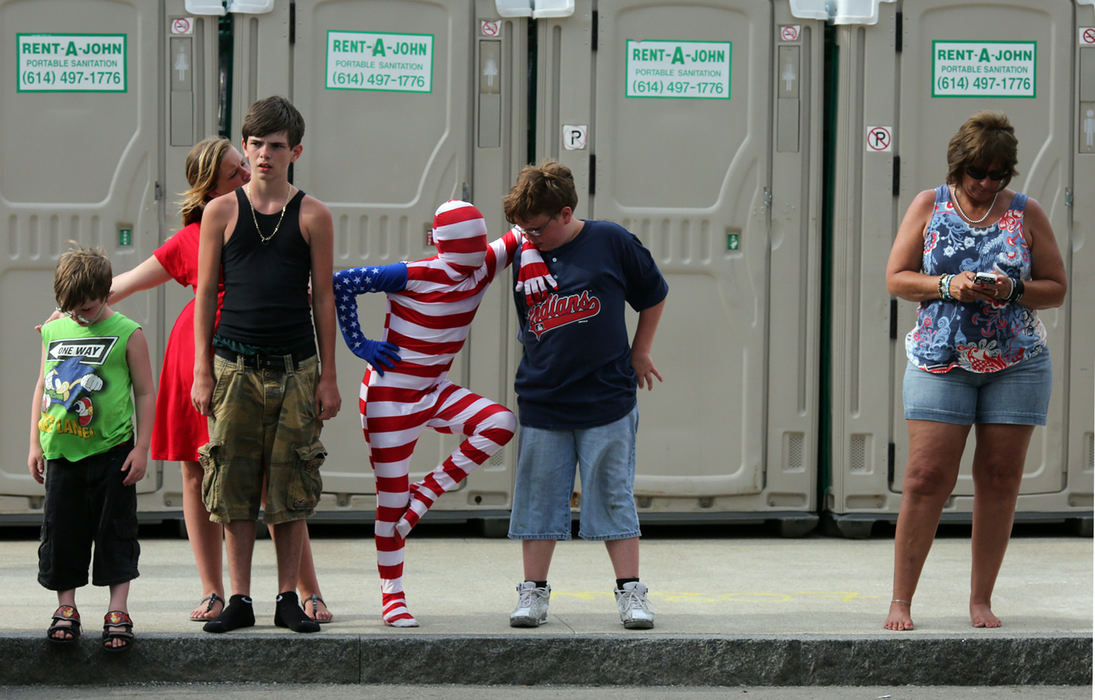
x=82 y=446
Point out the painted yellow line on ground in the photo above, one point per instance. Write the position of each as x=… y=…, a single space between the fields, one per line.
x=731 y=597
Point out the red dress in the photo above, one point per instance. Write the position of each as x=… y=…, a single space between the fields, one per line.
x=178 y=429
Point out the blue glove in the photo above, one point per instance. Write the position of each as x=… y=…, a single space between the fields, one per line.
x=347 y=284
x=376 y=353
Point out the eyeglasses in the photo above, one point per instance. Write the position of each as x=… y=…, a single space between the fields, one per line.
x=536 y=232
x=980 y=173
x=76 y=314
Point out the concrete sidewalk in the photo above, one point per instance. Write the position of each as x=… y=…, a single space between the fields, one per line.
x=730 y=611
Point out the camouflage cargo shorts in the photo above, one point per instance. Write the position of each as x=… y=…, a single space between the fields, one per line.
x=264 y=426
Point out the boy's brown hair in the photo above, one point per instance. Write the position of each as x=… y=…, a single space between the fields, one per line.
x=540 y=189
x=82 y=275
x=271 y=115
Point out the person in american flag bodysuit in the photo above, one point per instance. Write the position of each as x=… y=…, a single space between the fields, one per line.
x=430 y=307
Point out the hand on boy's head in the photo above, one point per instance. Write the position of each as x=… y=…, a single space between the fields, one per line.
x=135 y=465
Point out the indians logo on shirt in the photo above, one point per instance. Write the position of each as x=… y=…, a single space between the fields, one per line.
x=558 y=311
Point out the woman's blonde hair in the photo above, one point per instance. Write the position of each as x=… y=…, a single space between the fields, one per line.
x=203 y=164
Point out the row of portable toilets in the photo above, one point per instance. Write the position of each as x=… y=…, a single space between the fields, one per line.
x=763 y=151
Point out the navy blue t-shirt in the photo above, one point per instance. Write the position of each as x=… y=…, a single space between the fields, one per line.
x=576 y=368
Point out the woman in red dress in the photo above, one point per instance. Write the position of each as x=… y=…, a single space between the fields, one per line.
x=213 y=168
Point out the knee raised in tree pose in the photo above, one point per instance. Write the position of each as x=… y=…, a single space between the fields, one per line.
x=430 y=307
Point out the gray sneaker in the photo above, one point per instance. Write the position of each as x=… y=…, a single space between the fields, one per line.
x=532 y=605
x=635 y=612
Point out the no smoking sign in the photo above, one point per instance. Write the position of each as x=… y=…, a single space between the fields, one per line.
x=182 y=25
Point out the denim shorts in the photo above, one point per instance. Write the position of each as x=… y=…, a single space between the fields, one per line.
x=544 y=484
x=1018 y=395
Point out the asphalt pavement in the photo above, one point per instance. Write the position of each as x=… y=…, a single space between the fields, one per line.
x=736 y=607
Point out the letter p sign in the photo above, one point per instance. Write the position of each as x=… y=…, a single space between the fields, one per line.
x=574 y=136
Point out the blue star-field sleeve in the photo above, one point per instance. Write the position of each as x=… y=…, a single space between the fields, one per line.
x=348 y=284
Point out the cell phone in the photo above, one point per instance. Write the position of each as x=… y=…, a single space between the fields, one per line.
x=984 y=278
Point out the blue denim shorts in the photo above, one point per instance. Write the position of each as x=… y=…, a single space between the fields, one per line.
x=1018 y=395
x=605 y=457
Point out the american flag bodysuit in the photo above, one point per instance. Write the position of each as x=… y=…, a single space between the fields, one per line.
x=430 y=307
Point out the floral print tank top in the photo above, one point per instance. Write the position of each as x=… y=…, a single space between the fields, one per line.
x=980 y=336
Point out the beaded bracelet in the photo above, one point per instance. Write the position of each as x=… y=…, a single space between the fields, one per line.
x=947 y=288
x=942 y=295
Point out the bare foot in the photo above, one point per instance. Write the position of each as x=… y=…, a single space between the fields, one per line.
x=63 y=631
x=900 y=618
x=115 y=642
x=981 y=616
x=319 y=611
x=209 y=608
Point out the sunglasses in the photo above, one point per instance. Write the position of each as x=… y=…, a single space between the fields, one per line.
x=980 y=173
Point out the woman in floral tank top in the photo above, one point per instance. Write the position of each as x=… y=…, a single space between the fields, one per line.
x=980 y=259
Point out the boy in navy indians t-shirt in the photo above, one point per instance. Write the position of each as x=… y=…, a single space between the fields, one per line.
x=576 y=388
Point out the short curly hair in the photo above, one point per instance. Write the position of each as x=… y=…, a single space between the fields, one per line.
x=985 y=139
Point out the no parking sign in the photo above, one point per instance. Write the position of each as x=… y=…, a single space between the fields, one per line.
x=879 y=139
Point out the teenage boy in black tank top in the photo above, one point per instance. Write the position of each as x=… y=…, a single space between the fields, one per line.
x=267 y=281
x=267 y=240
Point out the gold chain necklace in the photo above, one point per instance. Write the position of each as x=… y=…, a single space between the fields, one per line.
x=954 y=198
x=266 y=239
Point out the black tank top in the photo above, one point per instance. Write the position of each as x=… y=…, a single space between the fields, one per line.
x=266 y=300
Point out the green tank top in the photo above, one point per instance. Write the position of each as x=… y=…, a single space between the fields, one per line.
x=86 y=403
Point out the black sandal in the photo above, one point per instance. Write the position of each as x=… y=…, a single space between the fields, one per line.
x=64 y=613
x=117 y=618
x=209 y=601
x=315 y=600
